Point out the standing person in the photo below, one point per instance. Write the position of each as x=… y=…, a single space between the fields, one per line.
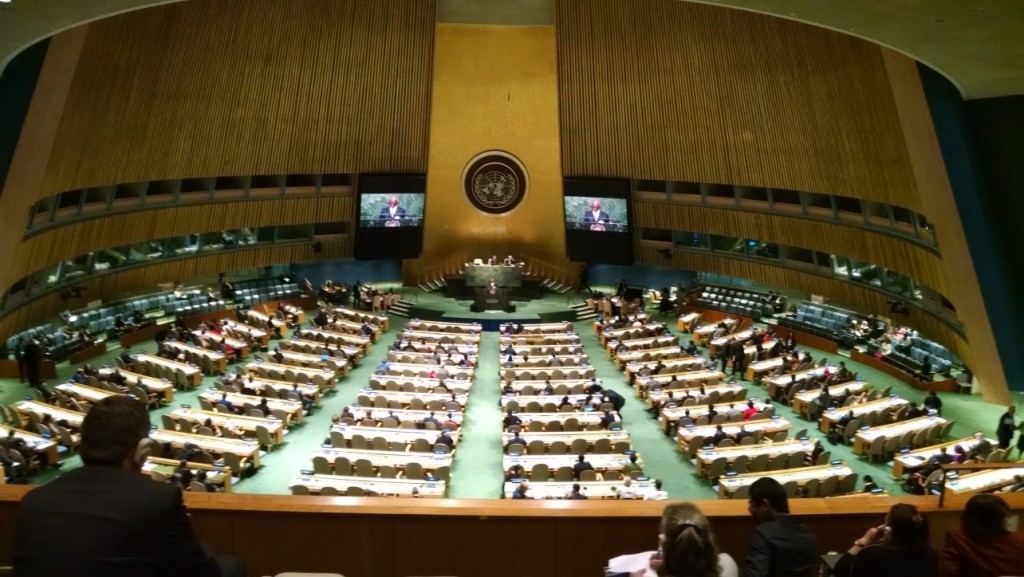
x=31 y=354
x=19 y=353
x=585 y=279
x=982 y=546
x=781 y=547
x=107 y=519
x=897 y=548
x=1007 y=425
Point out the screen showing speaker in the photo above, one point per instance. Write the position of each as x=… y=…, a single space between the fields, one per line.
x=391 y=212
x=597 y=220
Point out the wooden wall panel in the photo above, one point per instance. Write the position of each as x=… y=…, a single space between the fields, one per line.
x=877 y=248
x=235 y=87
x=148 y=277
x=841 y=292
x=64 y=242
x=669 y=90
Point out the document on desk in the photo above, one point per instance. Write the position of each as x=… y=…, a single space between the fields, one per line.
x=631 y=563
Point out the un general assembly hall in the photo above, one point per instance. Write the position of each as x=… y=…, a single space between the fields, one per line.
x=324 y=287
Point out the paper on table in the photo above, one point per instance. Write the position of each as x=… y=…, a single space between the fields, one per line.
x=630 y=563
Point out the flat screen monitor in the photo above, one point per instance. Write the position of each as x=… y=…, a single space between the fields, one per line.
x=598 y=220
x=391 y=209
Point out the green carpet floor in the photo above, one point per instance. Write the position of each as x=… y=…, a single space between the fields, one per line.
x=477 y=470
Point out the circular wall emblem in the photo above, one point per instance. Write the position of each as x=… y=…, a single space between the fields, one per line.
x=495 y=181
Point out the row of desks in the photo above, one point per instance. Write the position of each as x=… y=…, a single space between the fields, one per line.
x=402 y=487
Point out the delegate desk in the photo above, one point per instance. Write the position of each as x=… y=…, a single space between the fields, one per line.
x=783 y=382
x=567 y=437
x=637 y=369
x=607 y=334
x=316 y=347
x=372 y=485
x=906 y=462
x=398 y=459
x=405 y=398
x=685 y=322
x=570 y=386
x=188 y=375
x=364 y=317
x=560 y=361
x=218 y=360
x=243 y=448
x=323 y=378
x=600 y=462
x=343 y=326
x=585 y=418
x=670 y=415
x=406 y=415
x=645 y=343
x=423 y=370
x=865 y=436
x=569 y=338
x=805 y=398
x=419 y=384
x=243 y=422
x=757 y=369
x=788 y=447
x=430 y=357
x=37 y=443
x=676 y=381
x=829 y=418
x=244 y=331
x=716 y=344
x=538 y=350
x=218 y=475
x=84 y=392
x=662 y=353
x=293 y=409
x=208 y=339
x=538 y=328
x=704 y=332
x=983 y=481
x=550 y=402
x=661 y=395
x=154 y=385
x=262 y=384
x=545 y=373
x=338 y=365
x=728 y=485
x=592 y=489
x=74 y=418
x=439 y=337
x=332 y=337
x=439 y=326
x=478 y=275
x=391 y=434
x=686 y=435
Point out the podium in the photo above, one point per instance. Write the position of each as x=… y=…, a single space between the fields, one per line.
x=488 y=299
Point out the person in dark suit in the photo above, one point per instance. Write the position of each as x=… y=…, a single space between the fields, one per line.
x=392 y=214
x=581 y=465
x=575 y=493
x=780 y=545
x=107 y=519
x=719 y=435
x=595 y=215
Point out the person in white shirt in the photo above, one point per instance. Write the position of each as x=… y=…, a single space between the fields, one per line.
x=509 y=261
x=656 y=494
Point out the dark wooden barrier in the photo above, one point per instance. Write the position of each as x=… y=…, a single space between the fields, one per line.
x=807 y=339
x=943 y=386
x=142 y=335
x=389 y=537
x=9 y=369
x=88 y=353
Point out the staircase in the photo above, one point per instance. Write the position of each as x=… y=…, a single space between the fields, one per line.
x=432 y=285
x=583 y=312
x=556 y=286
x=400 y=309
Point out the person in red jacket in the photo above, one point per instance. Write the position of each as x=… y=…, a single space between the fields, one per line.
x=981 y=546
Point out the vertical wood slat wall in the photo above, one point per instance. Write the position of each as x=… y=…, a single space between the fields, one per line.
x=877 y=248
x=65 y=242
x=843 y=293
x=231 y=88
x=669 y=90
x=119 y=282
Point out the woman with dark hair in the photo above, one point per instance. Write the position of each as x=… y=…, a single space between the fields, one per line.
x=687 y=548
x=899 y=548
x=982 y=546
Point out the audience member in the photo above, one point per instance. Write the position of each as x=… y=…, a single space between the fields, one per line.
x=780 y=547
x=982 y=546
x=898 y=548
x=575 y=493
x=107 y=519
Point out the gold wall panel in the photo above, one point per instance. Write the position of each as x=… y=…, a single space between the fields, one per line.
x=148 y=277
x=65 y=242
x=850 y=241
x=843 y=293
x=669 y=90
x=234 y=87
x=495 y=88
